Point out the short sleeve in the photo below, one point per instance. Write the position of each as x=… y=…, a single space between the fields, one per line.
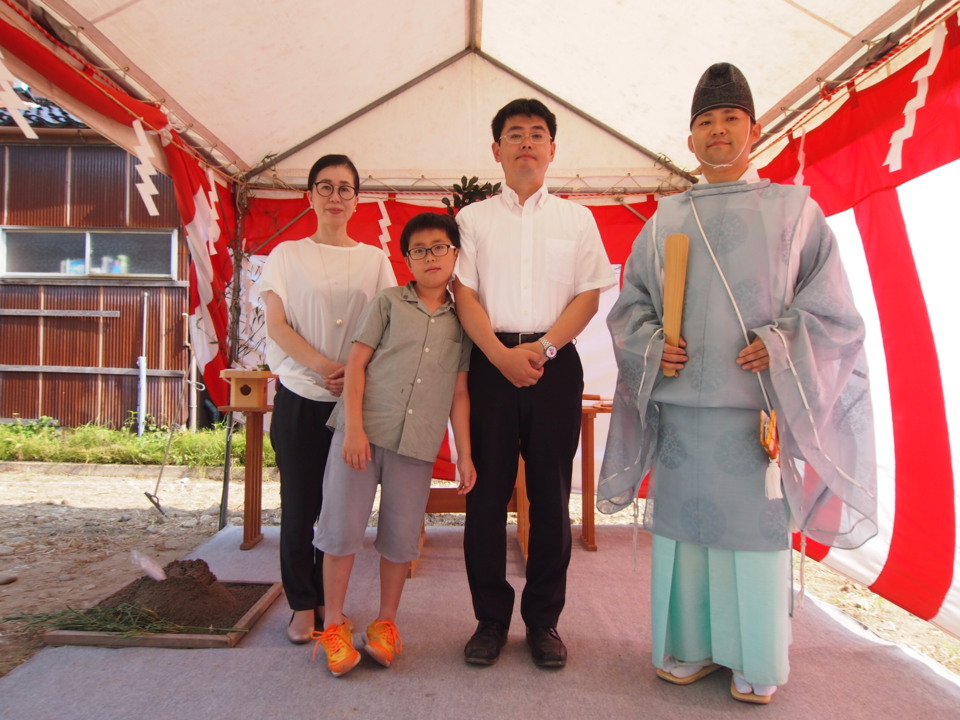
x=466 y=267
x=373 y=320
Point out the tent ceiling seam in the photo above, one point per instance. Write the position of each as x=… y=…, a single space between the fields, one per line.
x=819 y=18
x=474 y=24
x=272 y=160
x=658 y=157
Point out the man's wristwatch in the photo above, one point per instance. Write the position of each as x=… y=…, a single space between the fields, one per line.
x=549 y=349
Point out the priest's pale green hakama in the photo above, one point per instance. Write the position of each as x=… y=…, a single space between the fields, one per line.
x=724 y=606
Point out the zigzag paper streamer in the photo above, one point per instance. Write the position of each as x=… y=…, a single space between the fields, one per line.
x=895 y=156
x=801 y=157
x=13 y=102
x=212 y=200
x=385 y=222
x=145 y=169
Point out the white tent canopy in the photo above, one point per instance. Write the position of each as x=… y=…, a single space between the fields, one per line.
x=407 y=89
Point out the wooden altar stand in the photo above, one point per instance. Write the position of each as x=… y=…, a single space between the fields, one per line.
x=591 y=407
x=248 y=394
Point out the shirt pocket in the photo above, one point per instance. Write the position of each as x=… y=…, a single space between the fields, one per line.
x=449 y=359
x=561 y=262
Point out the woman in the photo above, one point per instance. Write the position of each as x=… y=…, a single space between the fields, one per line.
x=313 y=290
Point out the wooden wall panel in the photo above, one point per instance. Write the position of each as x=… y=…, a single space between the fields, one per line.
x=122 y=335
x=37 y=186
x=102 y=193
x=98 y=184
x=70 y=398
x=20 y=395
x=19 y=336
x=3 y=184
x=71 y=340
x=118 y=399
x=175 y=355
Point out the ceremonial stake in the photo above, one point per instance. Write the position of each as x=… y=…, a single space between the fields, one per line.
x=674 y=282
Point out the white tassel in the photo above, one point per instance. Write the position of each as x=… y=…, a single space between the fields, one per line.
x=772 y=481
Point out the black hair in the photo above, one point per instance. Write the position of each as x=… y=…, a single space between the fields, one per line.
x=523 y=106
x=430 y=221
x=333 y=161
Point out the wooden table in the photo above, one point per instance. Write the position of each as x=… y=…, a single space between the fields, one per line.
x=253 y=472
x=443 y=500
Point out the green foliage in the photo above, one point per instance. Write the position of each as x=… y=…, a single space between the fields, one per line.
x=469 y=191
x=44 y=441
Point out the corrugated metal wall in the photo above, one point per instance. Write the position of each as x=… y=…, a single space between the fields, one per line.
x=88 y=186
x=36 y=187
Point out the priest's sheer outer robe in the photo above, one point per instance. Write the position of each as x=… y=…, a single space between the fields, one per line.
x=782 y=265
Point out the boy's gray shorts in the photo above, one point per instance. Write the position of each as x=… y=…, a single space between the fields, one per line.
x=348 y=496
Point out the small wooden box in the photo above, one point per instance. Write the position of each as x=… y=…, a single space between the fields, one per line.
x=248 y=388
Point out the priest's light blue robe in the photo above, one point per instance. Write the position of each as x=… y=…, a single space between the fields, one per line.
x=698 y=433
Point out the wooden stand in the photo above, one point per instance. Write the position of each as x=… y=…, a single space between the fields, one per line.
x=588 y=413
x=446 y=500
x=248 y=394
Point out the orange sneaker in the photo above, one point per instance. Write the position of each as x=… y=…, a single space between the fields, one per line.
x=383 y=642
x=337 y=642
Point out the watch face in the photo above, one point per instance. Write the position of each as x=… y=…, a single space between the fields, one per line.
x=551 y=352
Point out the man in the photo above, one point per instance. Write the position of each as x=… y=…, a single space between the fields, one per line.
x=529 y=277
x=768 y=324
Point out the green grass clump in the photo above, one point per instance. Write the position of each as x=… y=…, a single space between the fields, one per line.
x=44 y=441
x=124 y=619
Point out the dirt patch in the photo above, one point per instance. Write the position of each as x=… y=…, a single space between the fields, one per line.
x=190 y=596
x=67 y=539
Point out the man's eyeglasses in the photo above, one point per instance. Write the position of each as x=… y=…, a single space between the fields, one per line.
x=537 y=138
x=420 y=253
x=325 y=189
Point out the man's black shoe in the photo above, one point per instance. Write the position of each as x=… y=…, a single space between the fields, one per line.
x=546 y=647
x=483 y=648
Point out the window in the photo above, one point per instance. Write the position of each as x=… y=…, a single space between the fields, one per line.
x=86 y=253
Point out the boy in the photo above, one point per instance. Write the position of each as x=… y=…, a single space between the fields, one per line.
x=406 y=372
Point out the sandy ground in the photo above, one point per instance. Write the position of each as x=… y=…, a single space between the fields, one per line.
x=67 y=539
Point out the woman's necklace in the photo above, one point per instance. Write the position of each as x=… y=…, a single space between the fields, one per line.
x=329 y=291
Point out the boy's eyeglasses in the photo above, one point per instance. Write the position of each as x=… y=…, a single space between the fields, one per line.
x=515 y=138
x=420 y=253
x=325 y=189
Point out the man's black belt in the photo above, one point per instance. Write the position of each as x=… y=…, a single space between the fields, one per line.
x=512 y=339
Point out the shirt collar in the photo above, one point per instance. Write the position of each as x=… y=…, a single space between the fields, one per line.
x=408 y=293
x=512 y=199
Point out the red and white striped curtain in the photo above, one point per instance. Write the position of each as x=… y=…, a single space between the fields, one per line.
x=881 y=138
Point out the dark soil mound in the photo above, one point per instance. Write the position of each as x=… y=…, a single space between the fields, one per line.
x=191 y=596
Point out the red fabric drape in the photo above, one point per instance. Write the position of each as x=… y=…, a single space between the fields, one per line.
x=845 y=163
x=924 y=514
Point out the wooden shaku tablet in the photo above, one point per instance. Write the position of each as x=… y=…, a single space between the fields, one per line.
x=674 y=283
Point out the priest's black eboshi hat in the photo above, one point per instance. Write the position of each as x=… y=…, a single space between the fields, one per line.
x=722 y=85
